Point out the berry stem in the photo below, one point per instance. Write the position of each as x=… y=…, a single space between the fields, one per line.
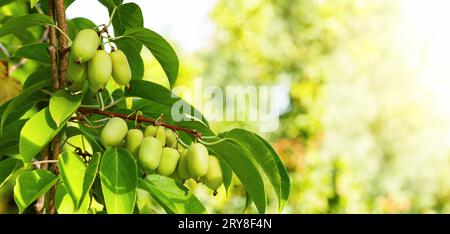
x=140 y=118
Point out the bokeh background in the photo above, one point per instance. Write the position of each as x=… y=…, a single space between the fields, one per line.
x=365 y=125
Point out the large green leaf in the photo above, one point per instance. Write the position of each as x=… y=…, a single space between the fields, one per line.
x=63 y=104
x=132 y=49
x=73 y=171
x=7 y=168
x=40 y=75
x=77 y=24
x=30 y=185
x=64 y=203
x=118 y=175
x=110 y=4
x=90 y=174
x=160 y=48
x=93 y=140
x=227 y=173
x=238 y=159
x=185 y=201
x=36 y=134
x=33 y=3
x=127 y=16
x=159 y=196
x=285 y=180
x=37 y=52
x=269 y=161
x=158 y=94
x=9 y=138
x=24 y=22
x=24 y=99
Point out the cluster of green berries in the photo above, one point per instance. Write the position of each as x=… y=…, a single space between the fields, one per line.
x=157 y=150
x=92 y=64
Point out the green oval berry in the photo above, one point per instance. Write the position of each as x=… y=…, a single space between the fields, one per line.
x=213 y=179
x=161 y=134
x=121 y=71
x=85 y=45
x=171 y=138
x=149 y=153
x=183 y=171
x=113 y=132
x=150 y=131
x=197 y=157
x=133 y=141
x=169 y=161
x=99 y=70
x=77 y=72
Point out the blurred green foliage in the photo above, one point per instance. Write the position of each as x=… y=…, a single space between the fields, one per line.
x=356 y=137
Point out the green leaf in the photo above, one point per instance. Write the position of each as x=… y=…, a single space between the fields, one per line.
x=266 y=157
x=110 y=4
x=25 y=98
x=118 y=175
x=30 y=185
x=127 y=16
x=41 y=75
x=9 y=138
x=159 y=196
x=72 y=170
x=25 y=36
x=227 y=173
x=63 y=104
x=238 y=159
x=36 y=134
x=7 y=168
x=37 y=52
x=95 y=143
x=64 y=203
x=33 y=3
x=285 y=180
x=158 y=94
x=185 y=201
x=132 y=49
x=77 y=24
x=160 y=48
x=24 y=22
x=90 y=174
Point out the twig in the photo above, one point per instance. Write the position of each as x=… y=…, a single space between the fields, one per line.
x=52 y=47
x=63 y=41
x=87 y=111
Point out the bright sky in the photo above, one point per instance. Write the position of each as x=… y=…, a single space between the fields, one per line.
x=185 y=22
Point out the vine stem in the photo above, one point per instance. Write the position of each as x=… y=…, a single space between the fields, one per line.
x=88 y=111
x=44 y=162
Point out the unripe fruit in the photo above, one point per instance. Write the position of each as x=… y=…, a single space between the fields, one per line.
x=99 y=70
x=183 y=171
x=171 y=138
x=197 y=160
x=133 y=141
x=149 y=153
x=85 y=45
x=113 y=132
x=121 y=71
x=161 y=135
x=169 y=161
x=76 y=72
x=213 y=179
x=150 y=131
